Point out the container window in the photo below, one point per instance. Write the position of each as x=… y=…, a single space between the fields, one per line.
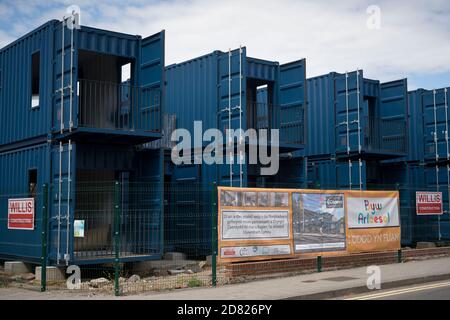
x=126 y=72
x=32 y=182
x=35 y=76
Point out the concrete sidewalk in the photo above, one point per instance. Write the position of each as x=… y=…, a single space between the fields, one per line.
x=316 y=285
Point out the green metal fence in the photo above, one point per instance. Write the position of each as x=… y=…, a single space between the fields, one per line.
x=137 y=237
x=141 y=237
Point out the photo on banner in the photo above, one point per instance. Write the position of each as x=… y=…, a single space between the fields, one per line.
x=319 y=222
x=253 y=224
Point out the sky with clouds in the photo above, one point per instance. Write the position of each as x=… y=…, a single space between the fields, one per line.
x=412 y=41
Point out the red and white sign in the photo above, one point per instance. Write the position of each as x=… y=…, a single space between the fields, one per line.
x=428 y=203
x=21 y=214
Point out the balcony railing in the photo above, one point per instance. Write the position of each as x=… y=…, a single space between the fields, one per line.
x=385 y=135
x=259 y=115
x=290 y=120
x=118 y=106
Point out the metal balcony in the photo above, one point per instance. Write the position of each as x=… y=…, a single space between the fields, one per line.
x=385 y=135
x=290 y=121
x=118 y=106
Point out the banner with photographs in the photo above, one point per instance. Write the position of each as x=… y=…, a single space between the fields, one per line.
x=263 y=224
x=254 y=224
x=235 y=198
x=319 y=222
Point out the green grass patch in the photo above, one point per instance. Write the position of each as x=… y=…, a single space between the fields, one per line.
x=194 y=282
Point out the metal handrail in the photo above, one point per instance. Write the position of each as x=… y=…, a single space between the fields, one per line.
x=386 y=135
x=118 y=106
x=262 y=115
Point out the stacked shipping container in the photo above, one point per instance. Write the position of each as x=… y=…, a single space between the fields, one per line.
x=68 y=120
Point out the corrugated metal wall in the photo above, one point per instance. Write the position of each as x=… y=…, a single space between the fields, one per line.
x=292 y=102
x=415 y=126
x=321 y=174
x=321 y=116
x=18 y=121
x=230 y=67
x=191 y=92
x=192 y=95
x=435 y=123
x=346 y=88
x=14 y=170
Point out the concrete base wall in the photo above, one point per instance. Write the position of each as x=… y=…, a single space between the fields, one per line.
x=53 y=274
x=296 y=265
x=17 y=267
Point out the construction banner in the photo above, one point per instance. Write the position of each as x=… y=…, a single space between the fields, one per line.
x=369 y=210
x=254 y=224
x=373 y=221
x=261 y=224
x=371 y=240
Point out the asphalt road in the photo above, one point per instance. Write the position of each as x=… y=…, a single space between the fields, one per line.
x=429 y=291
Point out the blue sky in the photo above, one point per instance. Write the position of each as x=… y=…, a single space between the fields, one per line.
x=412 y=39
x=317 y=203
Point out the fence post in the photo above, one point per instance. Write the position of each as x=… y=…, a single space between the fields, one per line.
x=44 y=254
x=214 y=235
x=116 y=238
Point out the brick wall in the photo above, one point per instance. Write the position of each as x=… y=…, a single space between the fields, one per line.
x=306 y=265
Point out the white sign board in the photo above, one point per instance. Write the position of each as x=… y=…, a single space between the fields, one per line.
x=78 y=228
x=371 y=212
x=255 y=224
x=255 y=251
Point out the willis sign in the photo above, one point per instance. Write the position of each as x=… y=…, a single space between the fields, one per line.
x=428 y=203
x=21 y=214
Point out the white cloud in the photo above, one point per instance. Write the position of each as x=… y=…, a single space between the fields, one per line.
x=5 y=39
x=333 y=36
